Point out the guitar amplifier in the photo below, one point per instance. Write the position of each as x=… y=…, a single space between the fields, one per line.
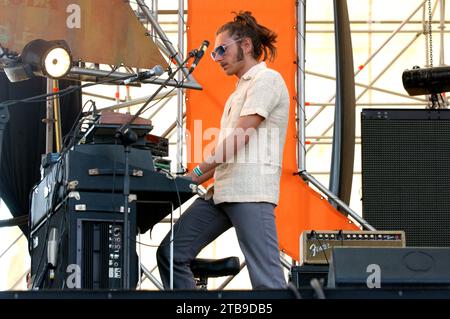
x=316 y=245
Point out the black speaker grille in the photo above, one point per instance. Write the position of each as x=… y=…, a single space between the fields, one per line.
x=406 y=173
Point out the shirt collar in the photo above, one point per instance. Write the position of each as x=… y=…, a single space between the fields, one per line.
x=253 y=70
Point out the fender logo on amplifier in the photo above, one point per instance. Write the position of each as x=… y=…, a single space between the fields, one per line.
x=316 y=245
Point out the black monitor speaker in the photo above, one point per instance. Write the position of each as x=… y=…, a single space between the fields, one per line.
x=389 y=267
x=406 y=173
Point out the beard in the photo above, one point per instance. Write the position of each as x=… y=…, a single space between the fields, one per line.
x=240 y=54
x=236 y=62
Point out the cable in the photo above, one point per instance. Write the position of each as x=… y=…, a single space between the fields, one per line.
x=113 y=69
x=48 y=209
x=75 y=124
x=340 y=235
x=41 y=257
x=318 y=289
x=63 y=224
x=30 y=194
x=139 y=262
x=292 y=288
x=122 y=129
x=321 y=248
x=170 y=176
x=63 y=92
x=62 y=228
x=161 y=99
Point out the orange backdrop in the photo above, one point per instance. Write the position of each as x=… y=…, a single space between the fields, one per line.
x=300 y=208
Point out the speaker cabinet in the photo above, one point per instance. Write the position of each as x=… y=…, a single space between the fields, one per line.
x=84 y=235
x=406 y=173
x=389 y=267
x=301 y=276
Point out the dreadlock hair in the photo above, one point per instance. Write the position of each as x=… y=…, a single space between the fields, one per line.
x=244 y=25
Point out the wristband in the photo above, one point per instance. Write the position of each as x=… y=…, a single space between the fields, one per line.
x=197 y=171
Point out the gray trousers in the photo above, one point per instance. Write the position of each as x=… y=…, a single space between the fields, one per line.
x=204 y=221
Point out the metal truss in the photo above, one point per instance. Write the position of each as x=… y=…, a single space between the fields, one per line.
x=313 y=119
x=316 y=27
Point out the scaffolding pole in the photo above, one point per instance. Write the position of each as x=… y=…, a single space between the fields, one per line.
x=301 y=116
x=180 y=97
x=374 y=54
x=374 y=80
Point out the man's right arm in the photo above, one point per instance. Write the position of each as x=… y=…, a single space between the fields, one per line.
x=205 y=177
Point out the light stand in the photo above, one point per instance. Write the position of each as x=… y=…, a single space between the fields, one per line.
x=127 y=136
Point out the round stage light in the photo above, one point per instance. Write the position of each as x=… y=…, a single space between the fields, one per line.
x=48 y=58
x=57 y=63
x=422 y=81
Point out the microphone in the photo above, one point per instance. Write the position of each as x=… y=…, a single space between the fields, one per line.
x=198 y=55
x=156 y=71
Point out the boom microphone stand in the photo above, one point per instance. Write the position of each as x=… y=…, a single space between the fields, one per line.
x=127 y=136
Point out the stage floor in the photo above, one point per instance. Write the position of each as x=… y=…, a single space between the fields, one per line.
x=424 y=292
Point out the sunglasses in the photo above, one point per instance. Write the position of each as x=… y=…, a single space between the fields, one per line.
x=220 y=50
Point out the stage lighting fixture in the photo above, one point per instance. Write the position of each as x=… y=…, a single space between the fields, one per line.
x=17 y=72
x=47 y=58
x=422 y=81
x=39 y=57
x=13 y=68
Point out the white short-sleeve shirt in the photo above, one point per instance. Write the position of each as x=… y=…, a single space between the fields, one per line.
x=253 y=175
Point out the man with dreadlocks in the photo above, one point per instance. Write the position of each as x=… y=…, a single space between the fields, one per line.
x=245 y=192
